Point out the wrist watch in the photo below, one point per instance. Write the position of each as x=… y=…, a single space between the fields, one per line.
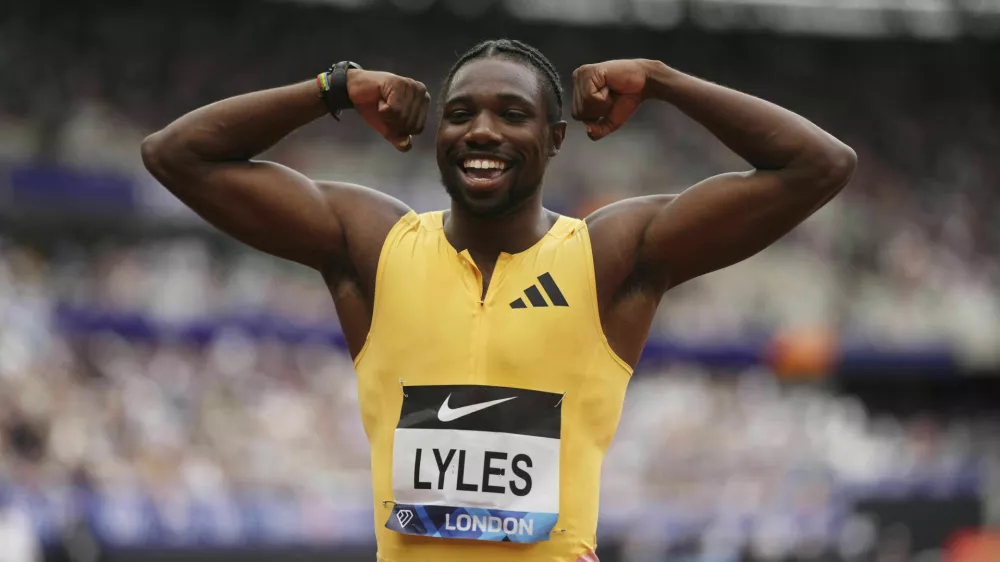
x=333 y=90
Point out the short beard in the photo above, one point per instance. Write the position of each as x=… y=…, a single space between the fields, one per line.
x=512 y=200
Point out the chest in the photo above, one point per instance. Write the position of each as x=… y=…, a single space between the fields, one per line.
x=524 y=315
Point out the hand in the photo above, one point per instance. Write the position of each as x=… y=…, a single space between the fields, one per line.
x=394 y=106
x=605 y=95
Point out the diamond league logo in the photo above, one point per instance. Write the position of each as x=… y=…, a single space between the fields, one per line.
x=404 y=516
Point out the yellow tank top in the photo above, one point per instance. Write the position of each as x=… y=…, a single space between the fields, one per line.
x=438 y=354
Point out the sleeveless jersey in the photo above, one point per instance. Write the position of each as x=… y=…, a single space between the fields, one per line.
x=488 y=417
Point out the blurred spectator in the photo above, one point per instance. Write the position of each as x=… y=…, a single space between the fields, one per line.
x=18 y=541
x=238 y=415
x=906 y=257
x=166 y=410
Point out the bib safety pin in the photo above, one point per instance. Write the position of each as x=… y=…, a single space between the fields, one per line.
x=384 y=502
x=557 y=403
x=403 y=388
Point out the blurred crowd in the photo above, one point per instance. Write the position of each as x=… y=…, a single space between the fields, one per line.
x=906 y=256
x=240 y=415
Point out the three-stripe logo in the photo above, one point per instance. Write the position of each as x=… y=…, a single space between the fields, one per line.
x=535 y=296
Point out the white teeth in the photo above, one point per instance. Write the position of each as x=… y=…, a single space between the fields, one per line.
x=483 y=163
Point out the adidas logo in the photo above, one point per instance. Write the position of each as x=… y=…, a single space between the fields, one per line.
x=535 y=296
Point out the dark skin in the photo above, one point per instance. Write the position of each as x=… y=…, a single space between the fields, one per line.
x=642 y=246
x=495 y=109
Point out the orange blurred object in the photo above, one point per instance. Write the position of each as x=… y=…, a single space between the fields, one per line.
x=803 y=354
x=974 y=546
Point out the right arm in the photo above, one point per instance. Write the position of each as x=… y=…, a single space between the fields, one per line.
x=204 y=158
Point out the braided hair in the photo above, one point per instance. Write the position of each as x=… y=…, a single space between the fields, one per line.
x=522 y=52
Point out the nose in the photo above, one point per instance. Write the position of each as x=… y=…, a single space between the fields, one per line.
x=482 y=132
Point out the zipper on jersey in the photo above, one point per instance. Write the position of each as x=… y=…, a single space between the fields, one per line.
x=480 y=337
x=476 y=292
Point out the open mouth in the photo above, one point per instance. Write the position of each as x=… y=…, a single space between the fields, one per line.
x=483 y=172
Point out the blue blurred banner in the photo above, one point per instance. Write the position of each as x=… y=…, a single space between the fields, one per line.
x=58 y=189
x=845 y=359
x=133 y=520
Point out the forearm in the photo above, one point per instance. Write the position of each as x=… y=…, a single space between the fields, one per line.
x=237 y=128
x=764 y=134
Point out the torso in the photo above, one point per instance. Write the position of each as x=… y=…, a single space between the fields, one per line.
x=535 y=327
x=627 y=302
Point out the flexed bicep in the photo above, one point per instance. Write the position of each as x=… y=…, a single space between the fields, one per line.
x=205 y=159
x=798 y=167
x=277 y=210
x=724 y=220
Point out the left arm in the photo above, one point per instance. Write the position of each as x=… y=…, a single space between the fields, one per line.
x=728 y=218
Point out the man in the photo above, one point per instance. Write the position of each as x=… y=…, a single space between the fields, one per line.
x=493 y=341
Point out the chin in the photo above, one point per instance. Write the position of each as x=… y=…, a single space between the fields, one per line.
x=497 y=199
x=487 y=210
x=475 y=204
x=494 y=205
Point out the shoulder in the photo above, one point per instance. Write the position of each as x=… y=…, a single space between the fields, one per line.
x=631 y=213
x=361 y=200
x=366 y=216
x=616 y=234
x=362 y=210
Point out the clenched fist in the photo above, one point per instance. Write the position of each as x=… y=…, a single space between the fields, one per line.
x=605 y=95
x=394 y=106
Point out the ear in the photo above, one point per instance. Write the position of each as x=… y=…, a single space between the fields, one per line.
x=557 y=132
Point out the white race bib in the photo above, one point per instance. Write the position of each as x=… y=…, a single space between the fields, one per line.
x=477 y=462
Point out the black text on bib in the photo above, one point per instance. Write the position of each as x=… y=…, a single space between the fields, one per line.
x=477 y=462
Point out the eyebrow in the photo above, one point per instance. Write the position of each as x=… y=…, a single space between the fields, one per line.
x=505 y=96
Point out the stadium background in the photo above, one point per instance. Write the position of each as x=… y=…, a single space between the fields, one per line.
x=165 y=393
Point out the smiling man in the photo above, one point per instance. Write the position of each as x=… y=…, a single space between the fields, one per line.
x=493 y=341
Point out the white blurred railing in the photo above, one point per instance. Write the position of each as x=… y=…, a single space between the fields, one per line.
x=926 y=19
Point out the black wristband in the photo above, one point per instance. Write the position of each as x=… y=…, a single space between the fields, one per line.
x=336 y=98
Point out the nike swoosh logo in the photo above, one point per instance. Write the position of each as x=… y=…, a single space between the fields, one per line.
x=447 y=414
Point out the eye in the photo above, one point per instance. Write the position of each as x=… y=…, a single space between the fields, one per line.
x=459 y=116
x=515 y=115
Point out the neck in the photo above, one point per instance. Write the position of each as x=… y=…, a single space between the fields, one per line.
x=510 y=233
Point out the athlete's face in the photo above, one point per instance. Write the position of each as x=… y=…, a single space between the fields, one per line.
x=495 y=139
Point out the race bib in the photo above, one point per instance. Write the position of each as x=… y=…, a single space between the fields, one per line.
x=477 y=462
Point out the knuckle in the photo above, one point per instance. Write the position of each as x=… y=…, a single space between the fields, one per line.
x=414 y=86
